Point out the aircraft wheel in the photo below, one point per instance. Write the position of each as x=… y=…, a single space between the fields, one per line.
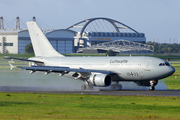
x=116 y=87
x=112 y=87
x=151 y=88
x=89 y=87
x=83 y=87
x=119 y=87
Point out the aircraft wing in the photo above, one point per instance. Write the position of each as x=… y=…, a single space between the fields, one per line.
x=67 y=69
x=23 y=59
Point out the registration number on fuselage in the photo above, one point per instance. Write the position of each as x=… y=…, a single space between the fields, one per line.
x=132 y=74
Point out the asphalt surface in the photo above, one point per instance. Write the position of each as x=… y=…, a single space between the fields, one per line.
x=91 y=92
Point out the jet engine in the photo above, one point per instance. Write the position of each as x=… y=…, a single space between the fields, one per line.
x=100 y=80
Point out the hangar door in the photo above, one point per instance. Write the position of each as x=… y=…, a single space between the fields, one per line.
x=63 y=46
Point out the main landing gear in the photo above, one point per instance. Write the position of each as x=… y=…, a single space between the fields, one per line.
x=116 y=86
x=87 y=86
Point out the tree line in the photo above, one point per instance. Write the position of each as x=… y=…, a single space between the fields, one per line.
x=158 y=48
x=165 y=47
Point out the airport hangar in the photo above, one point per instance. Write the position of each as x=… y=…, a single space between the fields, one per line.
x=95 y=35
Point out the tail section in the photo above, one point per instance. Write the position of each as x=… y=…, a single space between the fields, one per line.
x=41 y=45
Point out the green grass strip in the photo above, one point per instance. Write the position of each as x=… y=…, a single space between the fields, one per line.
x=75 y=106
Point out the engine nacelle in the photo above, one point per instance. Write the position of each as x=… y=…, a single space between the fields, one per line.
x=100 y=80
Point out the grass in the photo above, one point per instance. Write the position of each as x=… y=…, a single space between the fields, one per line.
x=74 y=106
x=173 y=82
x=17 y=55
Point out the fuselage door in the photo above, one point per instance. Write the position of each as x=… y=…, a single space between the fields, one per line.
x=148 y=65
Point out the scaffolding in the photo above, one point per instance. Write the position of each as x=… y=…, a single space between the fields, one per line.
x=121 y=47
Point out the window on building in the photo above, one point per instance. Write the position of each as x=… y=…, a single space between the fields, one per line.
x=22 y=44
x=8 y=44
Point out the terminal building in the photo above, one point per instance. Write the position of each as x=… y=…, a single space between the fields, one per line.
x=79 y=37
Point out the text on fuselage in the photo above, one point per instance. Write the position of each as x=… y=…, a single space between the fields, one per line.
x=118 y=61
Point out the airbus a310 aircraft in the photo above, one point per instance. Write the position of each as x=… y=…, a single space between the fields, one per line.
x=94 y=71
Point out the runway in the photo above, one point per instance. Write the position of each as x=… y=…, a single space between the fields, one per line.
x=90 y=92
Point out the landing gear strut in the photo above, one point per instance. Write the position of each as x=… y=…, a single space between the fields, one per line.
x=87 y=86
x=116 y=86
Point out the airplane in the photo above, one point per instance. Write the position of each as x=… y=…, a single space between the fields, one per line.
x=94 y=71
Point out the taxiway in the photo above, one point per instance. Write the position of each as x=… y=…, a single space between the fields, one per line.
x=90 y=92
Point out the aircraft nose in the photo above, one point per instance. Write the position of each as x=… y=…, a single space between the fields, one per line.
x=171 y=70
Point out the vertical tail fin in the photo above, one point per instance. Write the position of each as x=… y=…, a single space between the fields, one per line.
x=41 y=45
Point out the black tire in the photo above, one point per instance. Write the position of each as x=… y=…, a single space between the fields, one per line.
x=151 y=88
x=112 y=87
x=83 y=87
x=89 y=87
x=119 y=87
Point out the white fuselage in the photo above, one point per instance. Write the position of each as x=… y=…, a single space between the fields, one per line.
x=127 y=68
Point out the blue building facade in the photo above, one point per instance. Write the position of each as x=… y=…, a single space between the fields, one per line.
x=62 y=40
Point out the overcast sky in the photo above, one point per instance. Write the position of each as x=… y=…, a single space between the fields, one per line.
x=158 y=19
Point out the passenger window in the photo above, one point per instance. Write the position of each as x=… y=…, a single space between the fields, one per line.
x=160 y=64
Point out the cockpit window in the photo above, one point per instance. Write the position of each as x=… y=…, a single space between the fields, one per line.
x=164 y=64
x=167 y=64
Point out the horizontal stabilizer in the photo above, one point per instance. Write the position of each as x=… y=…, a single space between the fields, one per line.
x=22 y=59
x=12 y=66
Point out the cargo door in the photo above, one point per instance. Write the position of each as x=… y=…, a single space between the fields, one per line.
x=148 y=65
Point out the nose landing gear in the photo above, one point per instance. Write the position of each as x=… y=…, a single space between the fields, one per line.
x=152 y=84
x=151 y=88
